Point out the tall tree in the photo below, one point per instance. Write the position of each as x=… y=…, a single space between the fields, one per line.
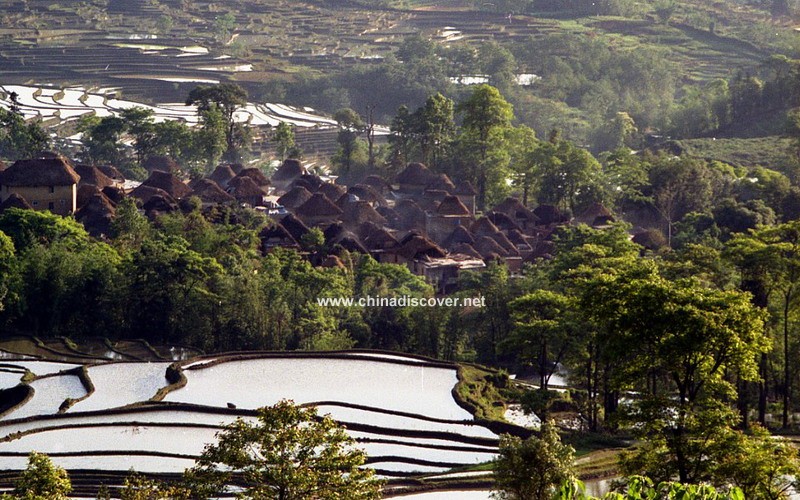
x=283 y=138
x=435 y=129
x=485 y=117
x=687 y=338
x=228 y=98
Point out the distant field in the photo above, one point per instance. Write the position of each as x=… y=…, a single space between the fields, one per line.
x=771 y=152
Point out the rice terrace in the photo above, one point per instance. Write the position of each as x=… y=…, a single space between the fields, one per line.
x=102 y=410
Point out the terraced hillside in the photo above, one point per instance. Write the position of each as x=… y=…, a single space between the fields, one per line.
x=99 y=419
x=165 y=48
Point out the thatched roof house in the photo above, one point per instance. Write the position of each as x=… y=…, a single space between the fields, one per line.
x=294 y=226
x=15 y=201
x=414 y=178
x=44 y=172
x=209 y=192
x=258 y=177
x=144 y=193
x=45 y=183
x=318 y=210
x=169 y=182
x=359 y=212
x=459 y=235
x=90 y=174
x=160 y=163
x=290 y=170
x=97 y=215
x=441 y=182
x=332 y=191
x=451 y=205
x=222 y=175
x=245 y=190
x=276 y=236
x=295 y=197
x=483 y=227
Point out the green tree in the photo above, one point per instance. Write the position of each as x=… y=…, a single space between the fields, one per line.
x=283 y=138
x=351 y=126
x=227 y=98
x=485 y=117
x=682 y=337
x=19 y=139
x=223 y=26
x=523 y=163
x=289 y=453
x=42 y=480
x=435 y=129
x=532 y=469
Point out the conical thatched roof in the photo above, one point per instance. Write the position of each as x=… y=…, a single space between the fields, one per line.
x=40 y=172
x=159 y=204
x=441 y=182
x=366 y=193
x=360 y=212
x=160 y=163
x=337 y=234
x=459 y=235
x=97 y=214
x=332 y=191
x=90 y=174
x=415 y=174
x=15 y=201
x=277 y=235
x=295 y=197
x=487 y=246
x=410 y=215
x=451 y=205
x=517 y=238
x=209 y=192
x=258 y=177
x=111 y=172
x=504 y=242
x=415 y=246
x=294 y=226
x=312 y=180
x=114 y=194
x=379 y=239
x=222 y=174
x=392 y=218
x=244 y=188
x=595 y=212
x=502 y=221
x=465 y=188
x=317 y=206
x=168 y=182
x=376 y=182
x=289 y=170
x=514 y=208
x=84 y=194
x=483 y=227
x=465 y=249
x=144 y=193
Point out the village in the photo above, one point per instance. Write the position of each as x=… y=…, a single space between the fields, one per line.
x=420 y=219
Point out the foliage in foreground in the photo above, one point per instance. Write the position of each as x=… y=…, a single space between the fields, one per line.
x=290 y=453
x=41 y=480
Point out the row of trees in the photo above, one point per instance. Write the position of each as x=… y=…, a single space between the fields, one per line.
x=188 y=280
